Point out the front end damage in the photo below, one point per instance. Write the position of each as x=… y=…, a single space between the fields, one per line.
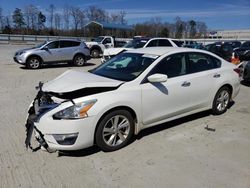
x=41 y=104
x=52 y=133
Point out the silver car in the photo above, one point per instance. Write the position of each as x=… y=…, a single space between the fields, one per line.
x=71 y=51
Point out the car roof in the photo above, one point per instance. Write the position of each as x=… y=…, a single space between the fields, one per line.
x=163 y=50
x=75 y=40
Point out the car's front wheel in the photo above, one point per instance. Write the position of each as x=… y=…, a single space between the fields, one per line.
x=33 y=63
x=114 y=130
x=79 y=60
x=221 y=101
x=95 y=53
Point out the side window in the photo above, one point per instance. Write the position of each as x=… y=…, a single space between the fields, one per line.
x=164 y=42
x=53 y=45
x=107 y=41
x=67 y=44
x=75 y=43
x=201 y=62
x=172 y=66
x=152 y=43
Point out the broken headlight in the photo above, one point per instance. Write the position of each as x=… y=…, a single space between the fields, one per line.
x=76 y=111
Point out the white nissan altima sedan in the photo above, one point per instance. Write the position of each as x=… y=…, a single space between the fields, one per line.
x=132 y=91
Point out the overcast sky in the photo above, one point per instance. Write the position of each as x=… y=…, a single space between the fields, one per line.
x=217 y=14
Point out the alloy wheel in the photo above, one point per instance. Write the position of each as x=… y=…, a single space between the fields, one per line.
x=34 y=63
x=222 y=100
x=116 y=130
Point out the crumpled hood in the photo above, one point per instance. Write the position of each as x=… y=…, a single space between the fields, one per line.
x=75 y=80
x=114 y=51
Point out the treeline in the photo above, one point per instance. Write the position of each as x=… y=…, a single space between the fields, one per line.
x=70 y=21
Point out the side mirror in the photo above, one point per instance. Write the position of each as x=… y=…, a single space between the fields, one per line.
x=157 y=78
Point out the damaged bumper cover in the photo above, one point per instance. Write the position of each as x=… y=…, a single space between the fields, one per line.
x=59 y=134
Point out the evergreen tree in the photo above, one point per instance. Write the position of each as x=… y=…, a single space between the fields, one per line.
x=18 y=18
x=41 y=20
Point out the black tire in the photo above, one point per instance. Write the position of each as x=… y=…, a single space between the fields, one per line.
x=121 y=136
x=95 y=53
x=34 y=63
x=79 y=60
x=221 y=101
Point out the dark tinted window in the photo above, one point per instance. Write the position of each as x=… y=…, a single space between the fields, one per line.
x=53 y=45
x=152 y=43
x=164 y=42
x=107 y=41
x=66 y=44
x=172 y=66
x=200 y=62
x=178 y=43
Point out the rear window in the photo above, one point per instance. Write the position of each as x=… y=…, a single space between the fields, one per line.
x=66 y=44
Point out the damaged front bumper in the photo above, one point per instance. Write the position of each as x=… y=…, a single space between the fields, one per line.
x=57 y=134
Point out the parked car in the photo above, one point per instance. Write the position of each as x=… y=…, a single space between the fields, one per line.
x=192 y=44
x=246 y=71
x=100 y=43
x=139 y=42
x=244 y=51
x=56 y=51
x=135 y=90
x=224 y=50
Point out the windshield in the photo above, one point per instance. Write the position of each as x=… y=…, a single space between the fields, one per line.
x=125 y=66
x=98 y=39
x=40 y=45
x=135 y=44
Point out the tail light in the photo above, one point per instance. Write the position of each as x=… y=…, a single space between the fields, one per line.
x=238 y=71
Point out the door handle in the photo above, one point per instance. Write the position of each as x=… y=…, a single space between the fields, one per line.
x=185 y=84
x=217 y=75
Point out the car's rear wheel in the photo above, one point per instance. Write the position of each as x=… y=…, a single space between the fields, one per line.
x=221 y=101
x=114 y=130
x=33 y=63
x=79 y=60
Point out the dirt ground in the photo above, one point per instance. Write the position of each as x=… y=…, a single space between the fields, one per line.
x=181 y=153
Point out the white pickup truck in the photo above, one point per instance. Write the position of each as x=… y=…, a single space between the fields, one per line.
x=100 y=43
x=139 y=42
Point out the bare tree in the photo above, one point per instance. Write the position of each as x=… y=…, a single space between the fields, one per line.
x=66 y=16
x=51 y=11
x=31 y=16
x=201 y=29
x=1 y=19
x=96 y=14
x=77 y=15
x=57 y=21
x=122 y=17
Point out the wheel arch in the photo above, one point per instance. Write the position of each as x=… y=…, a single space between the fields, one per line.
x=79 y=53
x=227 y=85
x=96 y=47
x=129 y=109
x=34 y=55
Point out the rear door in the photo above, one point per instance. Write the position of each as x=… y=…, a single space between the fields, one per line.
x=68 y=49
x=204 y=71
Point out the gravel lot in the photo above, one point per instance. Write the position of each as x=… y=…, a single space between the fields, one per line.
x=177 y=154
